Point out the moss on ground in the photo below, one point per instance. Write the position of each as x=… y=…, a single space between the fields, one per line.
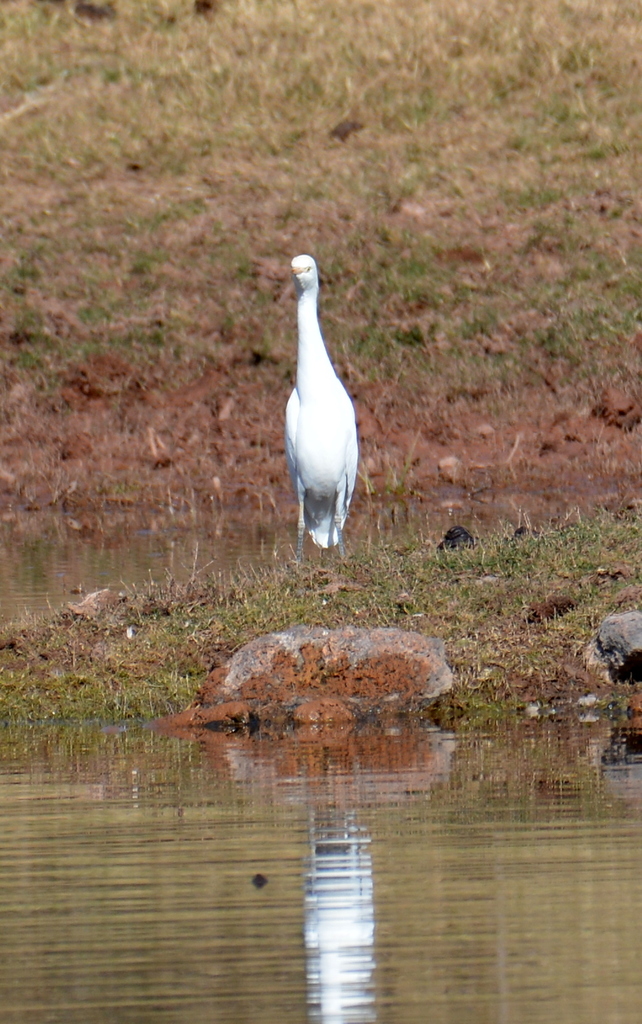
x=147 y=654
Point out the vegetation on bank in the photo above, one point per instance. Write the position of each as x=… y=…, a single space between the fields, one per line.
x=515 y=613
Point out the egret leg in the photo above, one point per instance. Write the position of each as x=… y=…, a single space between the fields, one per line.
x=342 y=547
x=338 y=527
x=300 y=533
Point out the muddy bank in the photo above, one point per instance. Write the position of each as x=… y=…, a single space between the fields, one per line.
x=118 y=438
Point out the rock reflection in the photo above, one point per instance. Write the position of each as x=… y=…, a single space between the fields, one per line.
x=339 y=922
x=622 y=764
x=344 y=768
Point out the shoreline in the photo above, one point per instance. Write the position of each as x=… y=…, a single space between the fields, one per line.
x=515 y=614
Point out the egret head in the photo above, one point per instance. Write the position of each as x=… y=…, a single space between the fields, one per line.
x=304 y=271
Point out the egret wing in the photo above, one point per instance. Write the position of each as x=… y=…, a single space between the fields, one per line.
x=291 y=421
x=352 y=462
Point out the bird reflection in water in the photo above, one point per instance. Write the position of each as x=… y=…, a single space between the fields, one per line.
x=339 y=923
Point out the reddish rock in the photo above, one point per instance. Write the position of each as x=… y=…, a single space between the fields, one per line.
x=325 y=709
x=349 y=662
x=230 y=713
x=317 y=679
x=552 y=608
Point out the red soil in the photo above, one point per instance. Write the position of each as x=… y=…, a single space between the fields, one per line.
x=117 y=436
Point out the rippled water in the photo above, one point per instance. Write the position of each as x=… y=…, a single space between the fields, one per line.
x=492 y=877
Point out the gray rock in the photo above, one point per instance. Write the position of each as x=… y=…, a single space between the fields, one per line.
x=617 y=648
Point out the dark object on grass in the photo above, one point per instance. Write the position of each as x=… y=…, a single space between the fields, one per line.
x=343 y=129
x=551 y=608
x=259 y=881
x=94 y=12
x=205 y=6
x=456 y=537
x=525 y=531
x=618 y=409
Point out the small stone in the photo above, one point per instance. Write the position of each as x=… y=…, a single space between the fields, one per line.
x=588 y=701
x=485 y=430
x=450 y=469
x=94 y=603
x=412 y=209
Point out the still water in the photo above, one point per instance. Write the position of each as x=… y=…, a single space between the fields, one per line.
x=51 y=565
x=374 y=877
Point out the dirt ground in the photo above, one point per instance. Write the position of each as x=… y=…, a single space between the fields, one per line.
x=114 y=435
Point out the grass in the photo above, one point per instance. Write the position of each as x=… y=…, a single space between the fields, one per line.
x=476 y=599
x=147 y=161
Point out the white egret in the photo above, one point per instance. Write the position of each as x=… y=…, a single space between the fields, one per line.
x=320 y=427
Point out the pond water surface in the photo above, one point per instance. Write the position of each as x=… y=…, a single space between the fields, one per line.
x=372 y=877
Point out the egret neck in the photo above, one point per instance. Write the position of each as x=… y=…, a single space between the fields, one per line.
x=313 y=363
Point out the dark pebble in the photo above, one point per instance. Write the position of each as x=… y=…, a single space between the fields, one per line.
x=94 y=12
x=457 y=537
x=342 y=130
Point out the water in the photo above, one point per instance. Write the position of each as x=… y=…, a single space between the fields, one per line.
x=46 y=564
x=414 y=876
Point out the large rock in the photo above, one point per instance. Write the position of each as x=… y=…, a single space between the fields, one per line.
x=617 y=648
x=308 y=662
x=312 y=678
